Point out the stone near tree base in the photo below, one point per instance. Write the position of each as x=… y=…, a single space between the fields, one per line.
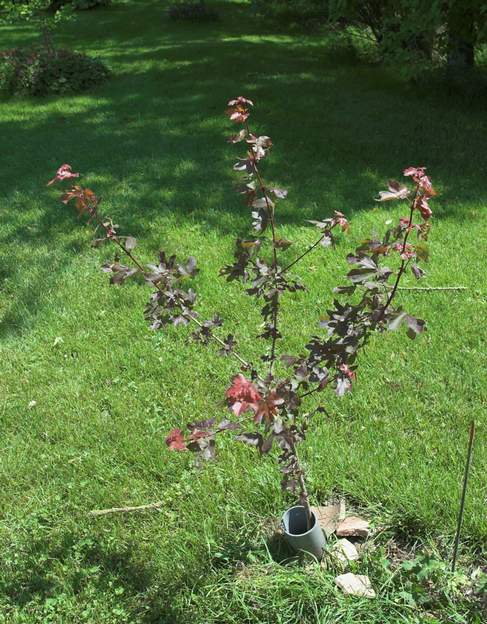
x=328 y=517
x=344 y=551
x=355 y=585
x=353 y=526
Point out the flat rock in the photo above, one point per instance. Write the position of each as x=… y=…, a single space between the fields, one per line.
x=328 y=517
x=355 y=585
x=344 y=551
x=353 y=526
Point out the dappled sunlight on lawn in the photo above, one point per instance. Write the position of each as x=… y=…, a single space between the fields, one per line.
x=152 y=143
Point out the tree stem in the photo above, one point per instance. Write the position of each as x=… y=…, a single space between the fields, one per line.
x=404 y=263
x=304 y=497
x=270 y=212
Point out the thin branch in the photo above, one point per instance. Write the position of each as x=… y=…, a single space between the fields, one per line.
x=432 y=288
x=114 y=510
x=312 y=391
x=305 y=253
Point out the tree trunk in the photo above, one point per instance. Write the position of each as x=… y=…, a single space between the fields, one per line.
x=56 y=5
x=47 y=40
x=461 y=37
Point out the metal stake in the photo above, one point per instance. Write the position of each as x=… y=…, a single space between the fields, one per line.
x=464 y=492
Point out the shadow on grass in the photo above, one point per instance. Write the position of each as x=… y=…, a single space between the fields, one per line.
x=280 y=550
x=64 y=567
x=237 y=553
x=114 y=572
x=152 y=140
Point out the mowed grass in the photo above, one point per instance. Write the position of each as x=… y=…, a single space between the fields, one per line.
x=151 y=143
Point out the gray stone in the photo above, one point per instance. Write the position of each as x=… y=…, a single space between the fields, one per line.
x=355 y=585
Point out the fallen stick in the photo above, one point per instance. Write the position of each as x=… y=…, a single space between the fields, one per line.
x=433 y=288
x=114 y=510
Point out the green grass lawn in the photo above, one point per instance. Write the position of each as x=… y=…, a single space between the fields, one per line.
x=151 y=142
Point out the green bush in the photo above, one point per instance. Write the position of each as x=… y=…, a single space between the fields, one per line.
x=39 y=72
x=90 y=4
x=79 y=5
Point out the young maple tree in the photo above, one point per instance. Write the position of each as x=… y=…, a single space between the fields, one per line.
x=270 y=410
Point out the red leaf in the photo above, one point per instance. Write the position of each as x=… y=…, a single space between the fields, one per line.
x=242 y=395
x=175 y=440
x=63 y=173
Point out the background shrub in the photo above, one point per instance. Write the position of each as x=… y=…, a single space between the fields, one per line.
x=90 y=4
x=38 y=72
x=79 y=5
x=192 y=12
